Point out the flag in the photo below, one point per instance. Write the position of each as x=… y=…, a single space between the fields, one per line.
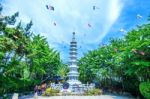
x=122 y=30
x=54 y=24
x=138 y=16
x=89 y=25
x=142 y=53
x=47 y=7
x=50 y=7
x=95 y=7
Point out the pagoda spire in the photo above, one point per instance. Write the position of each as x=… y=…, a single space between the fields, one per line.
x=73 y=38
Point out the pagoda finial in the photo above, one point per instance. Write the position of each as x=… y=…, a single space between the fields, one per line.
x=73 y=36
x=73 y=33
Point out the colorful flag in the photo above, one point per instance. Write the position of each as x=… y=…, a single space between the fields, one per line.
x=142 y=53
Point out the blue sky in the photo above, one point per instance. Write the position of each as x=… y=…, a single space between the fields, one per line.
x=75 y=15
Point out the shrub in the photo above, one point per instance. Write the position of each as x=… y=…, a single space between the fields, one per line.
x=145 y=89
x=55 y=91
x=50 y=92
x=94 y=92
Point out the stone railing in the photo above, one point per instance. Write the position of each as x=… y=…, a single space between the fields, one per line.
x=75 y=88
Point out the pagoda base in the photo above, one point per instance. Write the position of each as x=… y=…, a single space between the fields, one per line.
x=74 y=82
x=75 y=86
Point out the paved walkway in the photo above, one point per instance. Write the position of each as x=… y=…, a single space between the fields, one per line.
x=79 y=97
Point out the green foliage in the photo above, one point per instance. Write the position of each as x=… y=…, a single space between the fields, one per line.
x=145 y=89
x=93 y=92
x=126 y=61
x=131 y=85
x=62 y=70
x=50 y=92
x=25 y=59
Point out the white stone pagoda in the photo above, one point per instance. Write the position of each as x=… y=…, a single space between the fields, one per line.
x=73 y=68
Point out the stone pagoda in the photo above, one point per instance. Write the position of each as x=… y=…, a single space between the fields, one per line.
x=73 y=68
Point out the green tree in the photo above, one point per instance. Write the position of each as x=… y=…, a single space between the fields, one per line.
x=124 y=61
x=25 y=58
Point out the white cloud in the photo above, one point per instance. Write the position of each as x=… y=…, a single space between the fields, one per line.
x=69 y=16
x=113 y=12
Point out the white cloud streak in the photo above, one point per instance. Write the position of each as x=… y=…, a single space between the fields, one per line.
x=69 y=16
